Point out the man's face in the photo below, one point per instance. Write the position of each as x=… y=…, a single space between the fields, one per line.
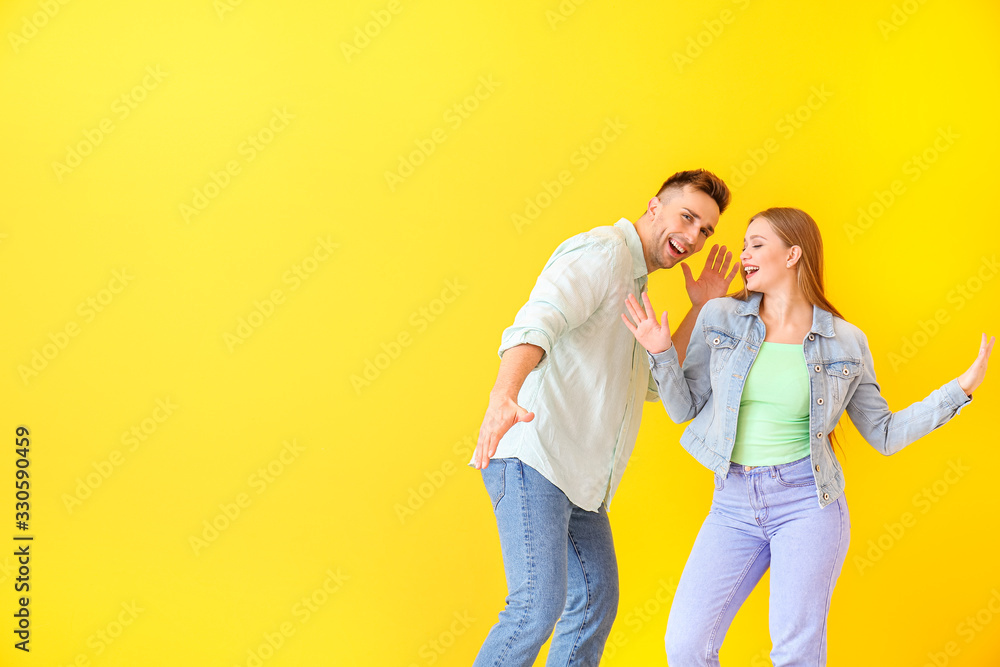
x=682 y=219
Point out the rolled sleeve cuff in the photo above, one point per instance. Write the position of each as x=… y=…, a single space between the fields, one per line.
x=958 y=397
x=666 y=358
x=515 y=337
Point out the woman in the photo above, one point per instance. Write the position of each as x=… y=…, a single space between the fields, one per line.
x=768 y=373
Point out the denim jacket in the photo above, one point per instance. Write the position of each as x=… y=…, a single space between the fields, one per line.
x=725 y=341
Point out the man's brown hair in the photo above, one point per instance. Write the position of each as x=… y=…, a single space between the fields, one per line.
x=699 y=179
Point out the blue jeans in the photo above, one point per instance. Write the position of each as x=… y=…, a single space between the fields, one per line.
x=761 y=517
x=560 y=566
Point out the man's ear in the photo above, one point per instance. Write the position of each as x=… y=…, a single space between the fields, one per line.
x=653 y=206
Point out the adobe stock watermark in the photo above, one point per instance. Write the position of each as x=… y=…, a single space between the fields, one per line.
x=761 y=658
x=786 y=126
x=31 y=24
x=302 y=611
x=923 y=502
x=7 y=568
x=433 y=649
x=967 y=630
x=103 y=638
x=87 y=310
x=230 y=511
x=293 y=279
x=898 y=17
x=562 y=12
x=419 y=321
x=433 y=480
x=131 y=440
x=364 y=34
x=454 y=117
x=248 y=149
x=697 y=43
x=639 y=617
x=957 y=297
x=223 y=7
x=580 y=160
x=914 y=168
x=121 y=108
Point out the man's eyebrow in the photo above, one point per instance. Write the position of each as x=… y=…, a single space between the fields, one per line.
x=695 y=215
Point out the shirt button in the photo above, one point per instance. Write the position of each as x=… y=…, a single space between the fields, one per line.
x=817 y=369
x=811 y=337
x=820 y=434
x=826 y=496
x=819 y=401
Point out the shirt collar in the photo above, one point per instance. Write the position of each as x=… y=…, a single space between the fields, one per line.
x=635 y=247
x=822 y=323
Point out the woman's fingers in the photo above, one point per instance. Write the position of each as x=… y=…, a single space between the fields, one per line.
x=649 y=306
x=631 y=327
x=632 y=307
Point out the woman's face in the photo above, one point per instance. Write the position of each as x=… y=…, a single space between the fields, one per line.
x=764 y=257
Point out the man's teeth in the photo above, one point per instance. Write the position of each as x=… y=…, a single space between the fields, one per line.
x=676 y=247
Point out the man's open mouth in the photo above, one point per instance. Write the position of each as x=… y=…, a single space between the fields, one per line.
x=676 y=248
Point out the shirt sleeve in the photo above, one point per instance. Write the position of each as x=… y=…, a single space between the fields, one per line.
x=684 y=390
x=652 y=393
x=888 y=431
x=571 y=288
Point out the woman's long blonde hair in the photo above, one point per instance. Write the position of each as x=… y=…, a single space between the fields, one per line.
x=796 y=227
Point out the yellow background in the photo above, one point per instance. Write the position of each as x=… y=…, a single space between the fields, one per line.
x=374 y=501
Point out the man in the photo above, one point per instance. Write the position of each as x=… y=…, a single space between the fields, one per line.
x=564 y=414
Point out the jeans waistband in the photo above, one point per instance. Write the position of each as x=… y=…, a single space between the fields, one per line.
x=742 y=469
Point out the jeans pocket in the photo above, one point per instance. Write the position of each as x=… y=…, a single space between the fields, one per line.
x=494 y=476
x=795 y=476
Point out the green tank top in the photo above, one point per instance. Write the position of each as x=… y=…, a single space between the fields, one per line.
x=773 y=423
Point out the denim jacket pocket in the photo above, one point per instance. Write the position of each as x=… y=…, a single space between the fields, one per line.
x=722 y=345
x=720 y=482
x=840 y=376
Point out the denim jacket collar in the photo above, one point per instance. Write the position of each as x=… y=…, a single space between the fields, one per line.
x=822 y=323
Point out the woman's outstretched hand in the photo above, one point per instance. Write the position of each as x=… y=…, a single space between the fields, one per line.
x=652 y=334
x=973 y=377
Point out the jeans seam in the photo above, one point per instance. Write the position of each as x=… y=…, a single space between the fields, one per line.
x=586 y=611
x=830 y=585
x=729 y=599
x=526 y=524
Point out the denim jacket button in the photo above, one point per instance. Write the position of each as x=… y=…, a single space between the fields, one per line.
x=817 y=468
x=819 y=401
x=812 y=337
x=826 y=496
x=820 y=434
x=716 y=341
x=817 y=368
x=847 y=372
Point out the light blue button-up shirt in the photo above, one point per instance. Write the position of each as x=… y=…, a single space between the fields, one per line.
x=587 y=391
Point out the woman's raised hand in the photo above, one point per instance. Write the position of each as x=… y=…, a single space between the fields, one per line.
x=973 y=377
x=652 y=334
